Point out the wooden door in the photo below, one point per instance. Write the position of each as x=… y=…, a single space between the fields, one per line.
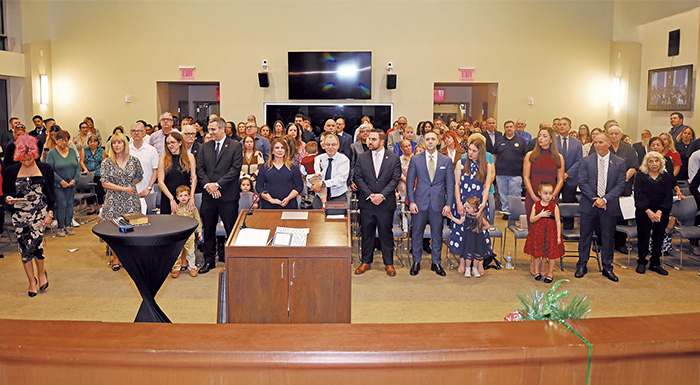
x=259 y=290
x=319 y=290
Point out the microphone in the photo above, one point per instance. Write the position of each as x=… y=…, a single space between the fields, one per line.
x=255 y=200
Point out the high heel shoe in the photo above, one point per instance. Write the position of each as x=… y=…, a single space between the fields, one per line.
x=45 y=286
x=33 y=293
x=115 y=266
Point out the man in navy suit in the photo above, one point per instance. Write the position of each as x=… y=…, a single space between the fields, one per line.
x=218 y=169
x=377 y=173
x=430 y=188
x=344 y=138
x=570 y=149
x=602 y=180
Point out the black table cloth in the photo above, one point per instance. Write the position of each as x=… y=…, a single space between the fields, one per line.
x=148 y=254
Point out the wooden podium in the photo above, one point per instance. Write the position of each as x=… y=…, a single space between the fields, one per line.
x=287 y=284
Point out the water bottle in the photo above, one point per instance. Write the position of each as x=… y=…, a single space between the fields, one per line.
x=509 y=265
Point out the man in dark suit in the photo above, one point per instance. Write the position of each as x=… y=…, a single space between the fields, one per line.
x=189 y=135
x=641 y=148
x=570 y=148
x=602 y=179
x=358 y=148
x=377 y=173
x=430 y=189
x=218 y=169
x=39 y=131
x=344 y=138
x=491 y=134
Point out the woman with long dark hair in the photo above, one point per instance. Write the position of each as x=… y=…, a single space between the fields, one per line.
x=279 y=182
x=175 y=168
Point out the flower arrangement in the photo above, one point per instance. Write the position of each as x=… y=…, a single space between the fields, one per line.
x=549 y=305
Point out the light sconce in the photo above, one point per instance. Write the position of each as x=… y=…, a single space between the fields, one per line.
x=44 y=88
x=616 y=92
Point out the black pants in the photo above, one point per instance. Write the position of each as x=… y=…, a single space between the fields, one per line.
x=645 y=228
x=379 y=221
x=212 y=210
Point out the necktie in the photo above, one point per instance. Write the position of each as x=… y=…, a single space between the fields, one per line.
x=601 y=178
x=218 y=145
x=377 y=164
x=329 y=171
x=564 y=146
x=431 y=167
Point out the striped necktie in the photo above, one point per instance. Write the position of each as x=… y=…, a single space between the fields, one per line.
x=601 y=177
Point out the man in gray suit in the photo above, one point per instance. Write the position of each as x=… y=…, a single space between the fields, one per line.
x=570 y=148
x=430 y=188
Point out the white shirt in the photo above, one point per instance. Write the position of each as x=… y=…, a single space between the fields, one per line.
x=427 y=159
x=338 y=183
x=148 y=156
x=378 y=155
x=693 y=165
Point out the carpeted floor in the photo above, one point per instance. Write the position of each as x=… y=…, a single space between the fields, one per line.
x=82 y=287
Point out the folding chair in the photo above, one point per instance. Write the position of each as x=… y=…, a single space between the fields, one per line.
x=684 y=211
x=84 y=190
x=494 y=231
x=517 y=208
x=571 y=210
x=631 y=232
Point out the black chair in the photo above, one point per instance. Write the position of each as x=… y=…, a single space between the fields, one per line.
x=84 y=191
x=571 y=210
x=517 y=208
x=684 y=211
x=494 y=231
x=631 y=232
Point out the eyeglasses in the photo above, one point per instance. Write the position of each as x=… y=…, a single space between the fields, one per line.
x=165 y=119
x=137 y=131
x=190 y=133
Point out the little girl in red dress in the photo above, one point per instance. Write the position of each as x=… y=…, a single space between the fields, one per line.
x=544 y=235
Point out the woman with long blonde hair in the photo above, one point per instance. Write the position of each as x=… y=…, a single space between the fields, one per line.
x=279 y=182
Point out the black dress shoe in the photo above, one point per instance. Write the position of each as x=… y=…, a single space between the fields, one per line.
x=415 y=268
x=207 y=266
x=505 y=217
x=658 y=269
x=610 y=275
x=438 y=270
x=580 y=272
x=641 y=268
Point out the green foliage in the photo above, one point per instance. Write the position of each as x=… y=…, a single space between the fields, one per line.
x=550 y=306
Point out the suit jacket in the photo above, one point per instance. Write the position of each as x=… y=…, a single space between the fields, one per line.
x=642 y=151
x=357 y=149
x=426 y=194
x=196 y=148
x=224 y=169
x=385 y=184
x=572 y=155
x=345 y=141
x=459 y=151
x=588 y=179
x=491 y=146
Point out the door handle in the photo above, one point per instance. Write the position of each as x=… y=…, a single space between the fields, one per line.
x=294 y=275
x=282 y=270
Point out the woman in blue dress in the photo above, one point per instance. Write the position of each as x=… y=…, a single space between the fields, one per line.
x=279 y=182
x=474 y=180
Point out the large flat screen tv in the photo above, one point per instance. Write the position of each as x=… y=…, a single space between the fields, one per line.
x=330 y=75
x=670 y=89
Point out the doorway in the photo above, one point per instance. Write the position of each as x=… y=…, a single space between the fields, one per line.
x=475 y=101
x=182 y=99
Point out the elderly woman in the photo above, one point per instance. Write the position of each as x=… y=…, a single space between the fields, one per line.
x=91 y=160
x=474 y=177
x=176 y=168
x=64 y=161
x=29 y=190
x=120 y=173
x=279 y=182
x=653 y=198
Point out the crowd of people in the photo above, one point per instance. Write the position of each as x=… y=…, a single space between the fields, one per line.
x=443 y=170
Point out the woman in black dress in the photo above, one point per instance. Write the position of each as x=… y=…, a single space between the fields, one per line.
x=279 y=182
x=653 y=198
x=175 y=170
x=28 y=188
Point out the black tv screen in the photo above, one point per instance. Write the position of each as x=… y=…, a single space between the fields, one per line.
x=330 y=75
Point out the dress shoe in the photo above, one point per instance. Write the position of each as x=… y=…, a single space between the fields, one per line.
x=415 y=268
x=658 y=269
x=45 y=286
x=175 y=273
x=610 y=275
x=641 y=268
x=580 y=272
x=207 y=266
x=193 y=272
x=390 y=270
x=362 y=268
x=505 y=217
x=438 y=270
x=427 y=249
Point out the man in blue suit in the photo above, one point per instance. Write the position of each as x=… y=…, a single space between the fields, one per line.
x=570 y=148
x=602 y=179
x=430 y=187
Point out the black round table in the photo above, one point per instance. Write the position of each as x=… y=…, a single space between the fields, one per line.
x=148 y=254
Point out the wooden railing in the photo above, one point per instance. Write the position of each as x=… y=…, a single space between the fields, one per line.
x=635 y=350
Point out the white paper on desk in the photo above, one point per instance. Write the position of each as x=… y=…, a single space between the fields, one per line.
x=336 y=216
x=627 y=207
x=298 y=235
x=252 y=237
x=298 y=215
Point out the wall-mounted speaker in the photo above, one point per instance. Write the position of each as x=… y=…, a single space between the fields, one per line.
x=263 y=79
x=390 y=81
x=674 y=42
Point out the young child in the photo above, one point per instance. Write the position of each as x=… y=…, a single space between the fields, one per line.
x=183 y=196
x=474 y=248
x=308 y=169
x=544 y=233
x=246 y=186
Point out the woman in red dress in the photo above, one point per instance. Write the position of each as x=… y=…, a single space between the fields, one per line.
x=543 y=164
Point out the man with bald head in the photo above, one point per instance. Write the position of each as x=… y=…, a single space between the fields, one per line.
x=491 y=134
x=520 y=129
x=328 y=127
x=158 y=137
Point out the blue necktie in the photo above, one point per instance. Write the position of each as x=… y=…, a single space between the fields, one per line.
x=218 y=145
